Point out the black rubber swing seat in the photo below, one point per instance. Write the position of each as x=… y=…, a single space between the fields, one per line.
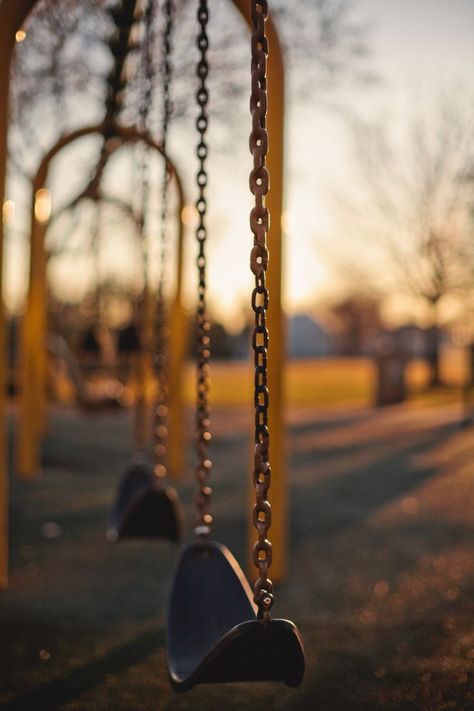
x=145 y=507
x=213 y=632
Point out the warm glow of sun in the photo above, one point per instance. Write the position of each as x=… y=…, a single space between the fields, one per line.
x=43 y=205
x=188 y=215
x=8 y=212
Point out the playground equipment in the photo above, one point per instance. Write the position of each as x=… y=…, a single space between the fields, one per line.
x=13 y=14
x=28 y=439
x=32 y=411
x=90 y=396
x=146 y=506
x=141 y=502
x=216 y=631
x=128 y=343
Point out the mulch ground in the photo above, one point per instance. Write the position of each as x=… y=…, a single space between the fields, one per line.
x=381 y=582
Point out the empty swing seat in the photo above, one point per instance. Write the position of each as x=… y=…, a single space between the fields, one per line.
x=145 y=508
x=213 y=632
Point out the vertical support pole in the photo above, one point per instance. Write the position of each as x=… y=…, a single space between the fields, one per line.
x=33 y=358
x=276 y=321
x=276 y=317
x=12 y=14
x=41 y=324
x=5 y=51
x=176 y=413
x=177 y=356
x=26 y=458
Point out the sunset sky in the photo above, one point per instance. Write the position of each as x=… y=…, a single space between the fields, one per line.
x=419 y=51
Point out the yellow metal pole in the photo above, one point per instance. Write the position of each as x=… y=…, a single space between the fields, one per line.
x=38 y=308
x=6 y=29
x=12 y=14
x=176 y=409
x=276 y=322
x=177 y=355
x=32 y=359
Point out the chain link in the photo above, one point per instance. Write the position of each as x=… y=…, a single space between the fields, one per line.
x=203 y=435
x=160 y=425
x=145 y=95
x=123 y=16
x=259 y=223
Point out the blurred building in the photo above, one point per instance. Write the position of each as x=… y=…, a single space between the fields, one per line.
x=307 y=338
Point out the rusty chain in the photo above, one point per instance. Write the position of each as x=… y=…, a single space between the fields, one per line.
x=145 y=94
x=160 y=425
x=203 y=435
x=259 y=223
x=146 y=98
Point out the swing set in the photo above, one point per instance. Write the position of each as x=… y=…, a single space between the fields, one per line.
x=146 y=506
x=218 y=629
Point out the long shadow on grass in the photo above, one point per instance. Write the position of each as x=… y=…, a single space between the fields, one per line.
x=369 y=440
x=336 y=421
x=329 y=505
x=346 y=659
x=53 y=694
x=335 y=501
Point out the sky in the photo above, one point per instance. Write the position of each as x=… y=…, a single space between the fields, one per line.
x=419 y=50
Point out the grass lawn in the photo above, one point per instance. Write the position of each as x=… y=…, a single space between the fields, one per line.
x=329 y=382
x=381 y=577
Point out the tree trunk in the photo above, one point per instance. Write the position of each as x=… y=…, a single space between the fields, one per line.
x=434 y=353
x=434 y=357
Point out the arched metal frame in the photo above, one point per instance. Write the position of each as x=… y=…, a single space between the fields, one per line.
x=33 y=358
x=12 y=16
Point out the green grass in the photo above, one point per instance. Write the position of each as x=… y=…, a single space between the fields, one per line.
x=325 y=382
x=380 y=580
x=308 y=383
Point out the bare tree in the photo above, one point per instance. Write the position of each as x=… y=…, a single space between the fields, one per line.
x=415 y=207
x=356 y=322
x=63 y=65
x=61 y=70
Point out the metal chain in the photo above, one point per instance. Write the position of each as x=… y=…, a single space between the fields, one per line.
x=123 y=16
x=145 y=75
x=203 y=435
x=259 y=223
x=143 y=171
x=160 y=425
x=146 y=97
